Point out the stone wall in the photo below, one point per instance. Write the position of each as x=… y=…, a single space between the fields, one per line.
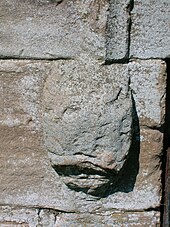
x=82 y=111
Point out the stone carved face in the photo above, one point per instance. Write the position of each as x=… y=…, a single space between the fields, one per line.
x=87 y=124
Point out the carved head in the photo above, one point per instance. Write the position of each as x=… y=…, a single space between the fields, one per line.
x=87 y=126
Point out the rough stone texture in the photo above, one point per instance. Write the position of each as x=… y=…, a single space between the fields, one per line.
x=25 y=217
x=27 y=177
x=13 y=224
x=88 y=123
x=146 y=192
x=24 y=174
x=150 y=33
x=148 y=84
x=21 y=85
x=46 y=29
x=149 y=176
x=118 y=30
x=109 y=219
x=80 y=137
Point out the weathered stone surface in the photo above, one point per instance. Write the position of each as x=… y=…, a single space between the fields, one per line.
x=25 y=173
x=149 y=177
x=51 y=29
x=52 y=218
x=27 y=177
x=110 y=219
x=18 y=216
x=13 y=224
x=80 y=140
x=146 y=192
x=148 y=84
x=150 y=34
x=88 y=123
x=118 y=30
x=21 y=85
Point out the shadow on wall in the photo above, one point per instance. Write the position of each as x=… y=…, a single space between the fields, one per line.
x=167 y=114
x=164 y=157
x=127 y=176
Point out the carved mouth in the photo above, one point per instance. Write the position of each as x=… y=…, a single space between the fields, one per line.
x=86 y=177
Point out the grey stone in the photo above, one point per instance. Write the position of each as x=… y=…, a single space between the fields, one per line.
x=47 y=29
x=26 y=175
x=24 y=217
x=88 y=123
x=51 y=29
x=80 y=139
x=21 y=85
x=150 y=34
x=118 y=30
x=110 y=219
x=147 y=190
x=148 y=84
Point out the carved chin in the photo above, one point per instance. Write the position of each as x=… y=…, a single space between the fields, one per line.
x=90 y=184
x=86 y=174
x=93 y=184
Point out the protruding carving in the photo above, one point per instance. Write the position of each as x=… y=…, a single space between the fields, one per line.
x=88 y=119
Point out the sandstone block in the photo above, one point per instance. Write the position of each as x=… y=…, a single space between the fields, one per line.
x=13 y=224
x=150 y=33
x=87 y=128
x=11 y=216
x=47 y=29
x=52 y=218
x=88 y=123
x=151 y=148
x=51 y=29
x=134 y=219
x=148 y=84
x=146 y=191
x=26 y=176
x=25 y=172
x=118 y=30
x=21 y=84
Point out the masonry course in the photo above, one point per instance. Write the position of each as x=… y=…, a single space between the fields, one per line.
x=82 y=112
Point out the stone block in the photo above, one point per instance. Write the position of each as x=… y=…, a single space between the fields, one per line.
x=117 y=219
x=26 y=175
x=147 y=189
x=88 y=114
x=52 y=218
x=13 y=224
x=88 y=123
x=118 y=30
x=148 y=84
x=11 y=216
x=151 y=147
x=21 y=84
x=150 y=33
x=47 y=29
